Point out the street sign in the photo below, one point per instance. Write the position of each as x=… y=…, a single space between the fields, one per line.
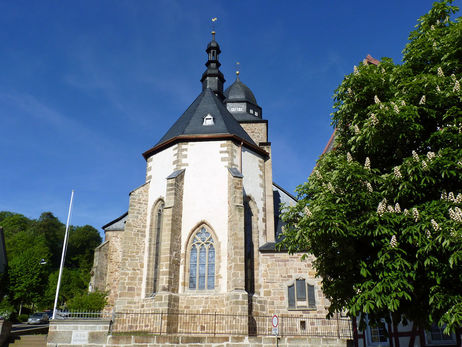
x=275 y=324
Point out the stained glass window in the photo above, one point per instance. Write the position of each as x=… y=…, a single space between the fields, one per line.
x=202 y=267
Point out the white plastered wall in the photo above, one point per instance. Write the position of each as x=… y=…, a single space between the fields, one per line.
x=205 y=198
x=254 y=183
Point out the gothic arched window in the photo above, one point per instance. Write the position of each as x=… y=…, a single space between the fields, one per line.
x=155 y=231
x=202 y=261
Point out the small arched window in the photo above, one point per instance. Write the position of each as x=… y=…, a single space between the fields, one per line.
x=208 y=120
x=202 y=261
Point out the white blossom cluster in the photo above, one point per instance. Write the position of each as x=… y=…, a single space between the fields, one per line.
x=428 y=234
x=393 y=242
x=423 y=99
x=438 y=89
x=432 y=27
x=307 y=212
x=390 y=209
x=440 y=72
x=415 y=156
x=369 y=187
x=397 y=172
x=451 y=197
x=356 y=129
x=424 y=165
x=456 y=88
x=330 y=187
x=374 y=119
x=382 y=207
x=318 y=174
x=367 y=164
x=349 y=157
x=355 y=70
x=455 y=214
x=397 y=208
x=350 y=92
x=405 y=212
x=431 y=155
x=435 y=225
x=395 y=107
x=415 y=214
x=403 y=103
x=376 y=99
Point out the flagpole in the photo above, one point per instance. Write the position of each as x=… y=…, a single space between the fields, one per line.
x=63 y=255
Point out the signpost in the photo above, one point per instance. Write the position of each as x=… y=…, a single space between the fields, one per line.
x=275 y=324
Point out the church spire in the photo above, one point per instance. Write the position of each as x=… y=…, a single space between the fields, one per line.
x=212 y=77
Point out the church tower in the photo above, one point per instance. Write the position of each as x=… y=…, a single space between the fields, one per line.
x=199 y=235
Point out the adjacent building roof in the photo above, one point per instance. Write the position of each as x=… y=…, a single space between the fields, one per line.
x=117 y=224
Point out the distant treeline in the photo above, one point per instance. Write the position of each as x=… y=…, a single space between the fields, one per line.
x=34 y=249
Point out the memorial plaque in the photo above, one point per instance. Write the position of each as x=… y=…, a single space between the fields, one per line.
x=79 y=337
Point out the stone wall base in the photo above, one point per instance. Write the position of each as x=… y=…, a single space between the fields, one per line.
x=95 y=333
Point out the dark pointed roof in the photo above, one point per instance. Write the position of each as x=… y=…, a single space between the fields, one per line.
x=238 y=91
x=191 y=124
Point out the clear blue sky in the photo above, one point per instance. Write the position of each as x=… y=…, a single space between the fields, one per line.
x=87 y=86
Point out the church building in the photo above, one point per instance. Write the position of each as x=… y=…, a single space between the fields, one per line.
x=200 y=232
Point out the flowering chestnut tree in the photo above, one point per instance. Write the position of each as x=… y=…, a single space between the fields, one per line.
x=381 y=212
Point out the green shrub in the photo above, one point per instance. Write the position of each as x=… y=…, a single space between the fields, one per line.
x=23 y=317
x=86 y=302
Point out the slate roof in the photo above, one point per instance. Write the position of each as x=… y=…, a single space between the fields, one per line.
x=191 y=122
x=116 y=224
x=238 y=91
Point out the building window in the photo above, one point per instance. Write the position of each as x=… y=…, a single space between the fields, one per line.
x=158 y=230
x=301 y=295
x=208 y=120
x=435 y=336
x=202 y=261
x=377 y=335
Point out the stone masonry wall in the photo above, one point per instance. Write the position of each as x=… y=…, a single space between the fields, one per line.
x=114 y=258
x=97 y=334
x=99 y=269
x=277 y=272
x=256 y=131
x=132 y=255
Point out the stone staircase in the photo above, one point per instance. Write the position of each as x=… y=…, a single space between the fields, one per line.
x=28 y=341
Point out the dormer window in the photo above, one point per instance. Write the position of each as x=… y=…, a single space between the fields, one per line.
x=208 y=120
x=256 y=113
x=251 y=111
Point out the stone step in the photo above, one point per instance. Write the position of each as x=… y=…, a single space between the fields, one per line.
x=29 y=341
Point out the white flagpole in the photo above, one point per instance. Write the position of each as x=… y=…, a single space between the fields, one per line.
x=63 y=255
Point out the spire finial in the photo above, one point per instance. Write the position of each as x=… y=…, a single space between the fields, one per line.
x=237 y=70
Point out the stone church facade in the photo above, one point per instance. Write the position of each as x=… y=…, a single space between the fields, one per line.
x=200 y=232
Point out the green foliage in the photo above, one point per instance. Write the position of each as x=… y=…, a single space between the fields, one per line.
x=381 y=212
x=34 y=252
x=6 y=309
x=88 y=302
x=23 y=317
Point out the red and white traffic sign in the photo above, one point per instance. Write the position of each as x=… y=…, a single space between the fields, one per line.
x=275 y=321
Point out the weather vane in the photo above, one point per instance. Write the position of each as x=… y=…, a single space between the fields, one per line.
x=214 y=19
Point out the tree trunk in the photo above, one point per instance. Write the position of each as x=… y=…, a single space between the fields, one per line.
x=20 y=308
x=412 y=340
x=395 y=333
